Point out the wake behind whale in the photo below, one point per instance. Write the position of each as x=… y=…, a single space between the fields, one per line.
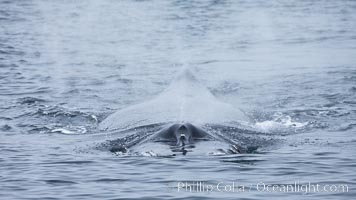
x=184 y=118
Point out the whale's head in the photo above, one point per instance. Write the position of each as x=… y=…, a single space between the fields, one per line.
x=183 y=135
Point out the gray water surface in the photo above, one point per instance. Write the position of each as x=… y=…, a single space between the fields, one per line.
x=67 y=65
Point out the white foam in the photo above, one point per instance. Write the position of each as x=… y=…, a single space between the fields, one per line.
x=279 y=122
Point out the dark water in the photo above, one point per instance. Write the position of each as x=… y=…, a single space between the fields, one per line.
x=66 y=65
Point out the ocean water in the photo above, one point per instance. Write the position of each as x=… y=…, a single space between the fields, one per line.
x=67 y=65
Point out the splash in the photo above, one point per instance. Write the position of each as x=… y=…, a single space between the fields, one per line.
x=279 y=123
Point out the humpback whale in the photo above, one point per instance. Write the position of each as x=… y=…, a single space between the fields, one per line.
x=181 y=113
